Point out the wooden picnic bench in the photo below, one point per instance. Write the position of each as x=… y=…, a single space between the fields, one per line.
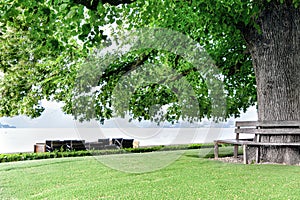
x=52 y=145
x=256 y=129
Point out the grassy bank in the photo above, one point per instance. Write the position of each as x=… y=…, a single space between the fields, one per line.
x=188 y=177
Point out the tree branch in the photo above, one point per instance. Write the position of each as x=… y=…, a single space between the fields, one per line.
x=92 y=4
x=117 y=2
x=126 y=67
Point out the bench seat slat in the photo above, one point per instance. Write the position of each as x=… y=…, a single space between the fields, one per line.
x=245 y=130
x=282 y=131
x=267 y=123
x=278 y=123
x=246 y=123
x=232 y=141
x=273 y=144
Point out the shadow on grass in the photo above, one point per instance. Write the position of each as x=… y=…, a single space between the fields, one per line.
x=192 y=156
x=27 y=165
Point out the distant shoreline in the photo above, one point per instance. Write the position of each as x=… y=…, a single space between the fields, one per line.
x=23 y=139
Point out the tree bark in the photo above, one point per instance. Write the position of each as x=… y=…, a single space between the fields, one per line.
x=275 y=51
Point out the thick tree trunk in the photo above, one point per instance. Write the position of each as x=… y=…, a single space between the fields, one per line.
x=276 y=59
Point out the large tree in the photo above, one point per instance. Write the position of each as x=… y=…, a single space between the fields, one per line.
x=255 y=44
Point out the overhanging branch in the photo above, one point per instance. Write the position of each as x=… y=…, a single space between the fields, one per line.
x=92 y=4
x=117 y=2
x=127 y=67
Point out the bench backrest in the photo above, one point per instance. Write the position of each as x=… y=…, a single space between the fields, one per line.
x=127 y=143
x=104 y=141
x=117 y=141
x=268 y=127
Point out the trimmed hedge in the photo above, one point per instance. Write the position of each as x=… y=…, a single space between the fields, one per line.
x=61 y=154
x=55 y=154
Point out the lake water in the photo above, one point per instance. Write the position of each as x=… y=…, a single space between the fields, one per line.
x=23 y=139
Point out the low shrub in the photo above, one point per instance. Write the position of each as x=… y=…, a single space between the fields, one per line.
x=144 y=149
x=60 y=154
x=199 y=146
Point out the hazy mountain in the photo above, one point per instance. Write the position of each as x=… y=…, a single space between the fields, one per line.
x=6 y=126
x=122 y=123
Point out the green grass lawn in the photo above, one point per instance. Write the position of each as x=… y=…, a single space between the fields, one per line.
x=188 y=177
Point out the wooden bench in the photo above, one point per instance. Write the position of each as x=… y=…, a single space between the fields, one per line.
x=104 y=141
x=242 y=127
x=117 y=142
x=257 y=129
x=52 y=145
x=127 y=143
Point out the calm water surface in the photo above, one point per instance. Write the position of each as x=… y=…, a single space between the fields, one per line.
x=23 y=139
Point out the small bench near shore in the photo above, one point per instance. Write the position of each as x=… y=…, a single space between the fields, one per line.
x=256 y=129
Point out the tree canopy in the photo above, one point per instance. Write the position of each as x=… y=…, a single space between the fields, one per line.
x=45 y=43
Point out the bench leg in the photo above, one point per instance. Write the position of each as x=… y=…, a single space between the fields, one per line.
x=216 y=150
x=235 y=150
x=257 y=159
x=245 y=154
